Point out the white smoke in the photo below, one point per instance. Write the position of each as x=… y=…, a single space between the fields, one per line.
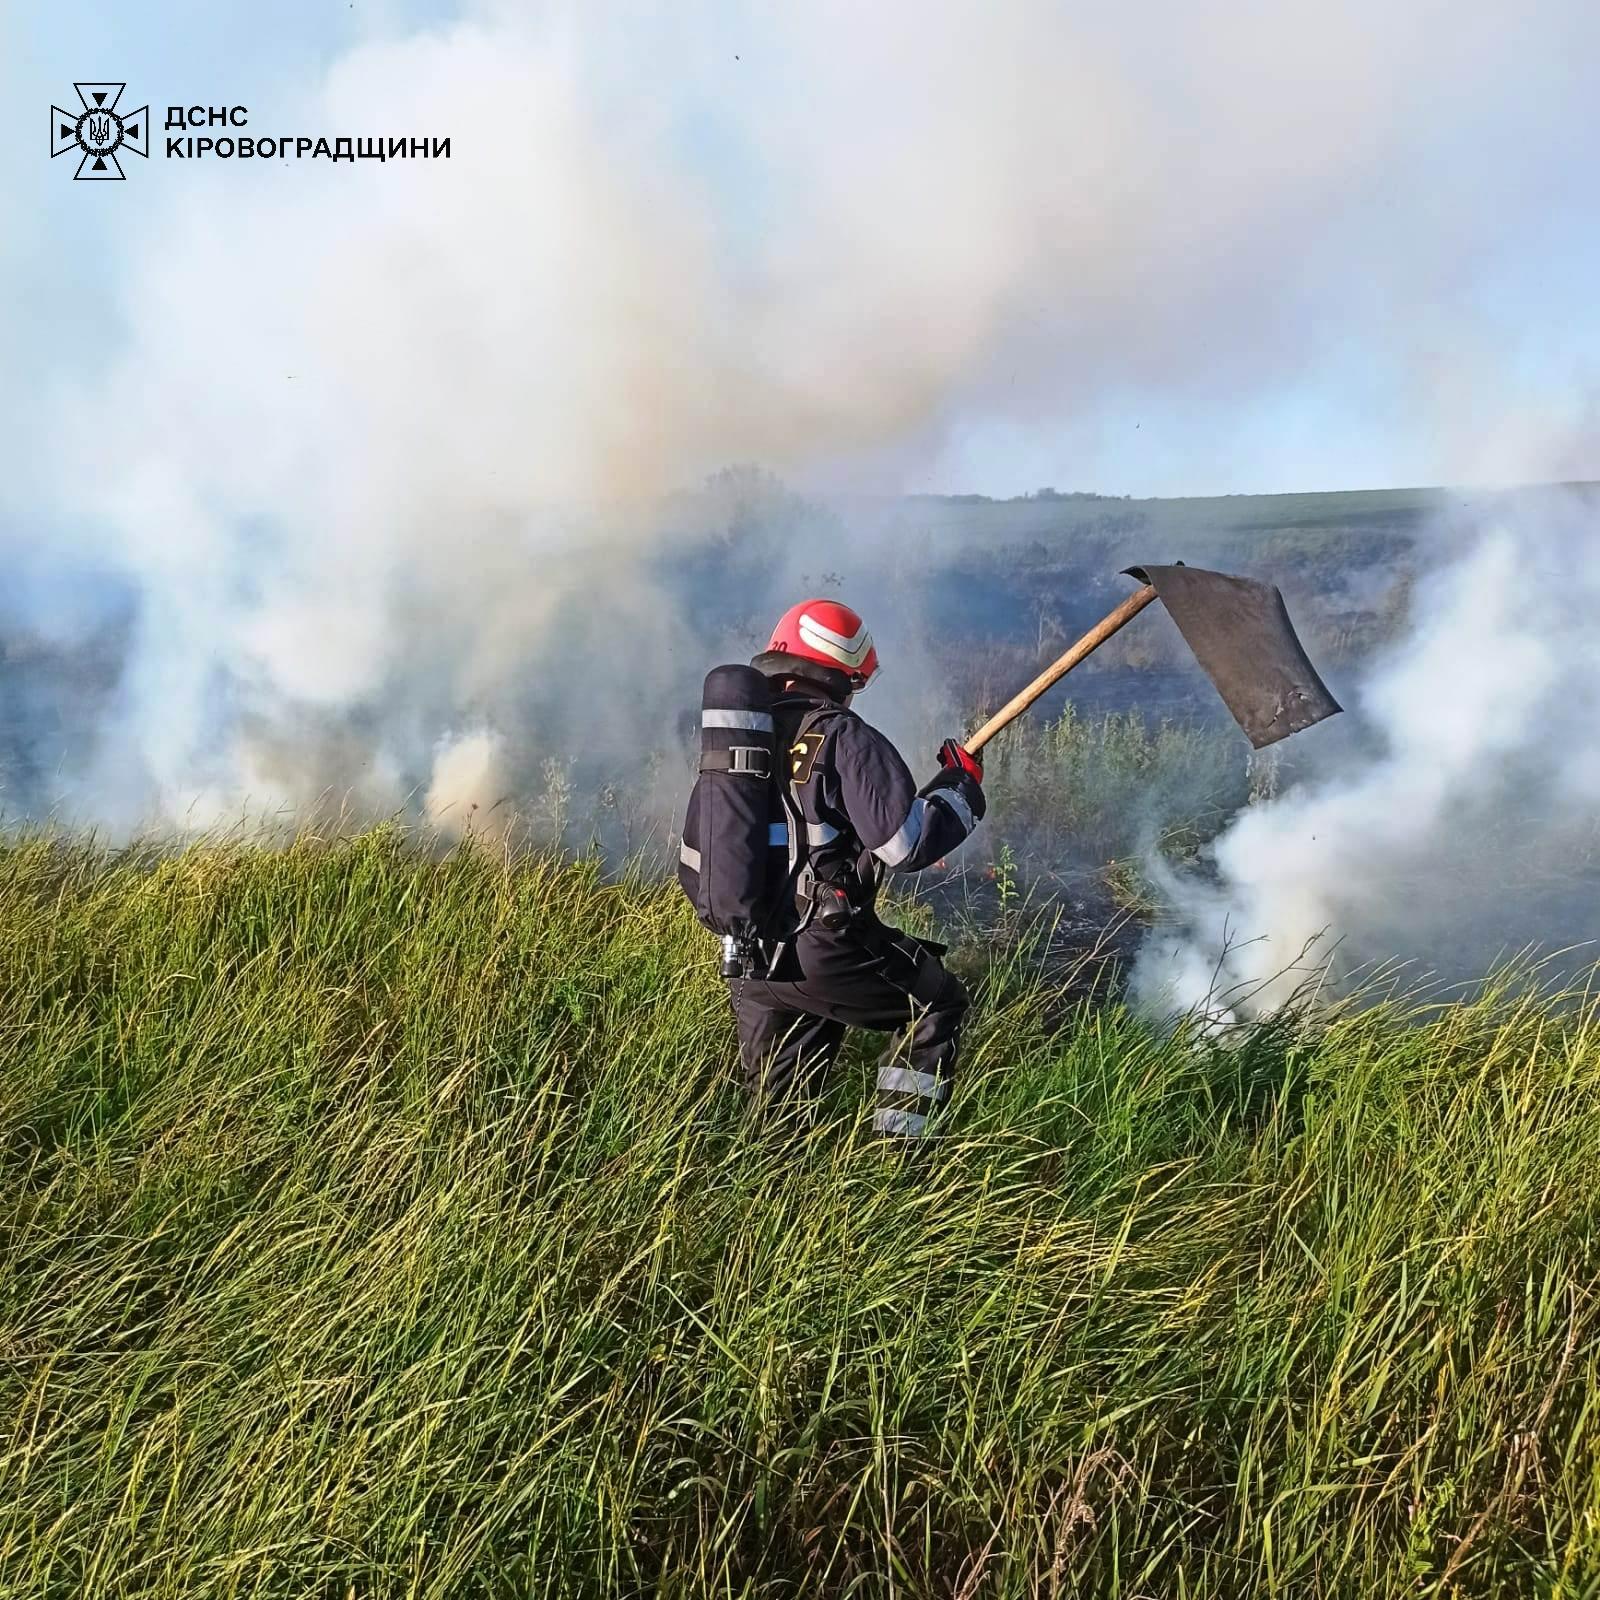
x=468 y=787
x=389 y=437
x=1473 y=827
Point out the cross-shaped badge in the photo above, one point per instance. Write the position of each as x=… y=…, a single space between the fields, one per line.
x=99 y=131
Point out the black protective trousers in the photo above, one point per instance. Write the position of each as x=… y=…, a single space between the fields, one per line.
x=866 y=976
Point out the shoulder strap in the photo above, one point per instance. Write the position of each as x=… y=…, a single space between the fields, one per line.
x=799 y=761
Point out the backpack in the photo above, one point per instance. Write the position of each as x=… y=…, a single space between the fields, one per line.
x=743 y=860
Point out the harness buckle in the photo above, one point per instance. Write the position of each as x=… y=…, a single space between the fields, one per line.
x=743 y=760
x=750 y=760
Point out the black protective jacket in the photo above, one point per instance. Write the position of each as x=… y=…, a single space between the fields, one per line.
x=862 y=809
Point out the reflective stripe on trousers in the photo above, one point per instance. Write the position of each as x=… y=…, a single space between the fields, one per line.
x=908 y=1099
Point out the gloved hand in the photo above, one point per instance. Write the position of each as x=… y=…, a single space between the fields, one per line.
x=960 y=772
x=952 y=754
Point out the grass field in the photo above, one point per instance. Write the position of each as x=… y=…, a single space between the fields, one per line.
x=378 y=1225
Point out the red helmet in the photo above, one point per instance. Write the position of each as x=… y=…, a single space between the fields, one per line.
x=822 y=633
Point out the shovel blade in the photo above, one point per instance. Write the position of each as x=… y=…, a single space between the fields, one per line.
x=1240 y=633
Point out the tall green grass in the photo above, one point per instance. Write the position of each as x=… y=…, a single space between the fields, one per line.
x=383 y=1225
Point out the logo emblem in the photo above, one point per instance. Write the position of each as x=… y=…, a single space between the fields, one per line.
x=803 y=756
x=99 y=130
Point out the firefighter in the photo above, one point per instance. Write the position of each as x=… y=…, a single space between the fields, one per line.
x=863 y=815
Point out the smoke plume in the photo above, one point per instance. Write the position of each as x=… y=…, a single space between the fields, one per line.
x=1470 y=832
x=392 y=441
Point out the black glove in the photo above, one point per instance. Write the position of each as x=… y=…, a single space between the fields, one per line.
x=952 y=753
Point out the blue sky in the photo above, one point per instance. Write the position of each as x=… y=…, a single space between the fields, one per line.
x=1365 y=388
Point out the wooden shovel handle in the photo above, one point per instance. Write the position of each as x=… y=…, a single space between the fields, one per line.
x=1090 y=642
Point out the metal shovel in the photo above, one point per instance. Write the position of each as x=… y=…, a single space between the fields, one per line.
x=1240 y=633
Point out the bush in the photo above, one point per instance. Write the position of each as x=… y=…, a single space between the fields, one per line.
x=1089 y=790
